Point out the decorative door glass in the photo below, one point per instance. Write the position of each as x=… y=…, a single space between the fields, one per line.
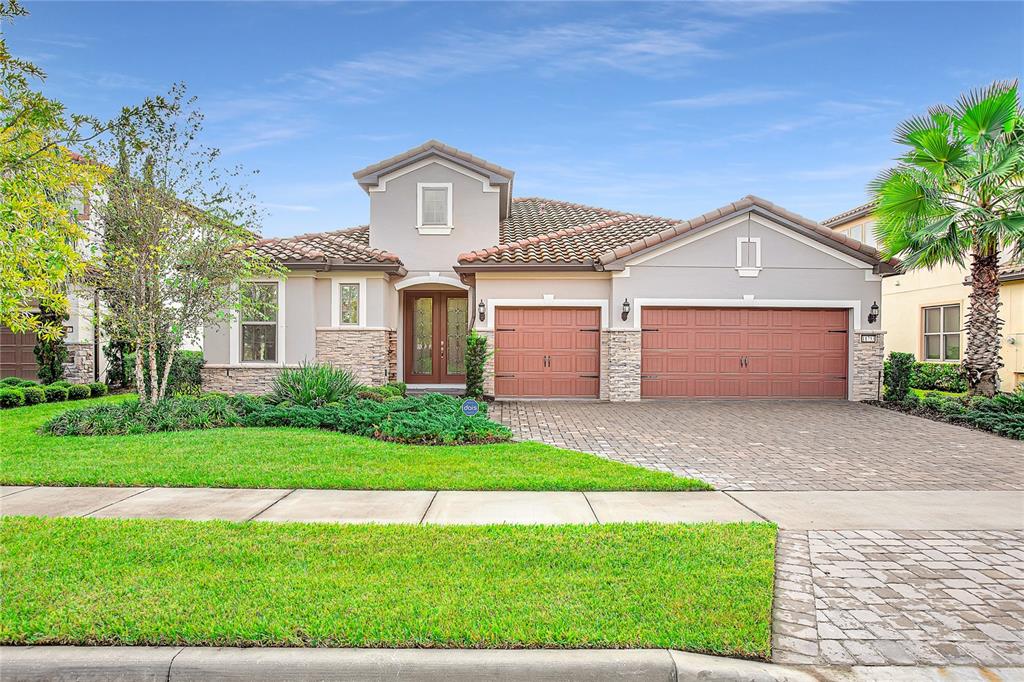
x=423 y=336
x=457 y=319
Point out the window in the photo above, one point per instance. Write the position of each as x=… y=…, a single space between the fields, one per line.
x=748 y=256
x=349 y=297
x=864 y=233
x=942 y=333
x=434 y=208
x=259 y=322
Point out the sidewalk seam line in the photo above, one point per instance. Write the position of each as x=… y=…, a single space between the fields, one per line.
x=675 y=668
x=113 y=503
x=429 y=505
x=261 y=511
x=171 y=663
x=16 y=492
x=596 y=520
x=748 y=508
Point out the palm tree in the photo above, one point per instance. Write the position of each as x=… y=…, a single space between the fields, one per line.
x=958 y=191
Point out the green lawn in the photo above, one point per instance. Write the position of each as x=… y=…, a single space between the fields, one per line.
x=298 y=458
x=701 y=587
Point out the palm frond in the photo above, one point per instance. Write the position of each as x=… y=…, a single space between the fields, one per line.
x=986 y=114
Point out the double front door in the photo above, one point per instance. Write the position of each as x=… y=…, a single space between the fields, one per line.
x=436 y=324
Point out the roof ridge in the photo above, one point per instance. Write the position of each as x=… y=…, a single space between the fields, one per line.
x=848 y=213
x=480 y=254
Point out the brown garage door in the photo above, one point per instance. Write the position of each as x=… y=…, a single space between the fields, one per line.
x=17 y=358
x=744 y=353
x=547 y=352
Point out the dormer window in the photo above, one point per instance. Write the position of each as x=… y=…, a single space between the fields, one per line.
x=434 y=207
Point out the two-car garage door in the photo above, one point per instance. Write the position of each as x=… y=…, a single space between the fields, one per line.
x=743 y=353
x=686 y=352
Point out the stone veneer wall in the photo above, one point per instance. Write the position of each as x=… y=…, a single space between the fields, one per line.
x=623 y=365
x=602 y=391
x=364 y=352
x=392 y=355
x=80 y=366
x=232 y=380
x=489 y=365
x=868 y=359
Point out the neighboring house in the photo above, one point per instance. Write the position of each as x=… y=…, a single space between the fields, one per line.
x=925 y=309
x=747 y=301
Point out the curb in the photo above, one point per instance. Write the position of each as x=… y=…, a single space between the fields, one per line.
x=181 y=664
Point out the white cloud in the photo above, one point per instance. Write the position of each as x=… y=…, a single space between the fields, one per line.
x=726 y=98
x=295 y=208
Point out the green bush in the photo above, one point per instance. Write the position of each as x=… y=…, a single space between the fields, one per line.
x=432 y=419
x=98 y=389
x=476 y=360
x=10 y=381
x=314 y=385
x=932 y=401
x=938 y=376
x=55 y=393
x=34 y=395
x=1003 y=414
x=11 y=397
x=399 y=386
x=78 y=391
x=897 y=375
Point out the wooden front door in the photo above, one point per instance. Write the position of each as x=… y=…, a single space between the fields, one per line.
x=17 y=357
x=436 y=324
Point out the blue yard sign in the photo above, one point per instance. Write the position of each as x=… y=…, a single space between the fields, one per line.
x=470 y=407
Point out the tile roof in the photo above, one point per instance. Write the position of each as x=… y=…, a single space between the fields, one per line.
x=1011 y=271
x=852 y=214
x=441 y=147
x=615 y=235
x=349 y=246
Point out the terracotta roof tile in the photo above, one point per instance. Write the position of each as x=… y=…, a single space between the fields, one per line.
x=441 y=147
x=852 y=214
x=350 y=246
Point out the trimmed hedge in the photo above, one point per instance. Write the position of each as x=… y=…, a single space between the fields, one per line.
x=78 y=392
x=98 y=389
x=55 y=393
x=34 y=395
x=432 y=419
x=11 y=397
x=925 y=376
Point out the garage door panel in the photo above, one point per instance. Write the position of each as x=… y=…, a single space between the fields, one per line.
x=743 y=353
x=548 y=352
x=587 y=340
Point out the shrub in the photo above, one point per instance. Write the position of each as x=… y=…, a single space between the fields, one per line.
x=55 y=393
x=314 y=385
x=10 y=381
x=11 y=397
x=938 y=376
x=34 y=395
x=26 y=383
x=98 y=389
x=51 y=354
x=897 y=375
x=78 y=392
x=476 y=359
x=399 y=386
x=1003 y=414
x=932 y=401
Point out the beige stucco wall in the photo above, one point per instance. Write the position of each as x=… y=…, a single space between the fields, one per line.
x=1012 y=296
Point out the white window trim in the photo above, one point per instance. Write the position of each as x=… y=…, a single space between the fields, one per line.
x=336 y=283
x=748 y=271
x=433 y=229
x=941 y=334
x=485 y=182
x=548 y=301
x=235 y=331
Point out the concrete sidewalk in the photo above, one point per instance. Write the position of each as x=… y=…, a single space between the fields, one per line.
x=832 y=510
x=180 y=664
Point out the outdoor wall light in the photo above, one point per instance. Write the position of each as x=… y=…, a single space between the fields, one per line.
x=625 y=309
x=481 y=310
x=873 y=315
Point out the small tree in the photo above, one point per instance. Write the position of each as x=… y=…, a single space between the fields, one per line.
x=898 y=372
x=476 y=359
x=50 y=351
x=175 y=230
x=958 y=194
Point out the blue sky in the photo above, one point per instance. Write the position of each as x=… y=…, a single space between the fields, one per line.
x=664 y=109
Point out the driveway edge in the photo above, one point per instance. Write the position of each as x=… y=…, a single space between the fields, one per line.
x=179 y=664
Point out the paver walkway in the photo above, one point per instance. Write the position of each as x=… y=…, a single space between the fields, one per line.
x=373 y=506
x=777 y=445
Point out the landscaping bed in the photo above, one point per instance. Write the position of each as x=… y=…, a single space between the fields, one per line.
x=278 y=457
x=700 y=587
x=1002 y=415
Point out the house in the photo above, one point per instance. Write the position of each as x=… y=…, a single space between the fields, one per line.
x=746 y=301
x=925 y=309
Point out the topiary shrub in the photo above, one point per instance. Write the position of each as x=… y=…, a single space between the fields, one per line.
x=314 y=385
x=78 y=392
x=10 y=381
x=55 y=393
x=98 y=389
x=476 y=361
x=897 y=374
x=11 y=397
x=34 y=395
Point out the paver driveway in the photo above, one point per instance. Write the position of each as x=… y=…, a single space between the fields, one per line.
x=777 y=445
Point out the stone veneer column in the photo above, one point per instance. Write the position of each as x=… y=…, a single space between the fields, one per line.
x=489 y=365
x=624 y=365
x=868 y=357
x=602 y=391
x=79 y=367
x=364 y=352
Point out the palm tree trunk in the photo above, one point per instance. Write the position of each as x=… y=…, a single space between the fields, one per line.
x=982 y=361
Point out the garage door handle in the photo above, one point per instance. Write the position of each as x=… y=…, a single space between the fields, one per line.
x=504 y=376
x=590 y=376
x=590 y=330
x=838 y=331
x=648 y=376
x=505 y=329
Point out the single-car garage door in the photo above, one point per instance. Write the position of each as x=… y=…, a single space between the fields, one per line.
x=744 y=353
x=17 y=357
x=547 y=352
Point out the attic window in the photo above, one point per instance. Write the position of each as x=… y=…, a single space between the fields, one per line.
x=748 y=256
x=434 y=207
